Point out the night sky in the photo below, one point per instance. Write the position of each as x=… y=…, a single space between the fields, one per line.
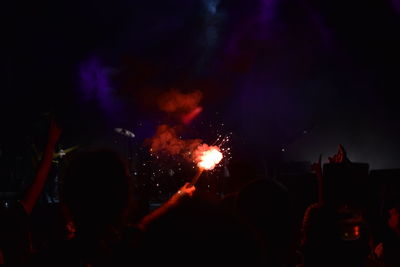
x=298 y=75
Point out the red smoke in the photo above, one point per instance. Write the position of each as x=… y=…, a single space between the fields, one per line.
x=185 y=106
x=166 y=140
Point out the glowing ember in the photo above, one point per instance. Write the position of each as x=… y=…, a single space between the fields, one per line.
x=207 y=156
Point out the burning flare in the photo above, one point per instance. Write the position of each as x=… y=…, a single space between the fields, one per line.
x=207 y=157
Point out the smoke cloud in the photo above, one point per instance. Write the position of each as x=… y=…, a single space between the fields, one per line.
x=166 y=141
x=176 y=102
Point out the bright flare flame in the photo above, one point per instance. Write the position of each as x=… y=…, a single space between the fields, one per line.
x=207 y=157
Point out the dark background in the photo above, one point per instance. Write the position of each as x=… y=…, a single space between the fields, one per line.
x=290 y=79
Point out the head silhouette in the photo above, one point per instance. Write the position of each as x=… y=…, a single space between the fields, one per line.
x=264 y=205
x=334 y=236
x=96 y=189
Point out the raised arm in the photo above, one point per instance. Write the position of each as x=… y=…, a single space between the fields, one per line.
x=317 y=169
x=340 y=156
x=185 y=191
x=32 y=194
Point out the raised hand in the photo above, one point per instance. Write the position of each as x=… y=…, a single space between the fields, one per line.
x=340 y=156
x=317 y=166
x=186 y=190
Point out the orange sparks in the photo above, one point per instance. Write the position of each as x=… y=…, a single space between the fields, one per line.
x=207 y=157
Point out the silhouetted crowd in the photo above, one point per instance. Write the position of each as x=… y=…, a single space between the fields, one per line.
x=352 y=219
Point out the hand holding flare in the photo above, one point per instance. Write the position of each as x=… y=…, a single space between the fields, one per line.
x=207 y=158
